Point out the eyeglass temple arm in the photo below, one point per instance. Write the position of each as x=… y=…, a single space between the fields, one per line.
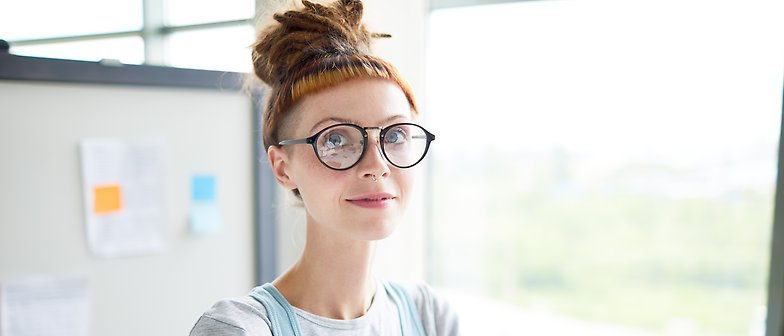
x=294 y=142
x=426 y=136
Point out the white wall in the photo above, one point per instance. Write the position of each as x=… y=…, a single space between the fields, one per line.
x=402 y=256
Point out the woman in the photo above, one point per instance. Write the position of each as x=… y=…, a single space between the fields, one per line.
x=339 y=133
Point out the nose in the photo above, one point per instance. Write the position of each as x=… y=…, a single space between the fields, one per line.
x=373 y=165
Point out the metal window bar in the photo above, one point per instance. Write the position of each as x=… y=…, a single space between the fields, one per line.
x=154 y=38
x=775 y=311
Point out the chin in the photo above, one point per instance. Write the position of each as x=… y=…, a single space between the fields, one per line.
x=378 y=229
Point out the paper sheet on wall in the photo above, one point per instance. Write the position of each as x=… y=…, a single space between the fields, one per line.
x=57 y=307
x=124 y=195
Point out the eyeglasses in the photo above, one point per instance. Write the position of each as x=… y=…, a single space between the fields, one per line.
x=341 y=146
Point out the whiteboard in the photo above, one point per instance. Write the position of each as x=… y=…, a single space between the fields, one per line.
x=42 y=222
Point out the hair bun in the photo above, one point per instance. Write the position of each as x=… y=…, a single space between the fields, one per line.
x=301 y=36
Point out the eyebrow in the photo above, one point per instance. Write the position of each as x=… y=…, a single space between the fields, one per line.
x=350 y=121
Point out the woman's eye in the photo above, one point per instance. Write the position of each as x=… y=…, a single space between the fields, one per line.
x=395 y=137
x=335 y=140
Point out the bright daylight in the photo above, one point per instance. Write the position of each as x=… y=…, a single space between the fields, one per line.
x=621 y=180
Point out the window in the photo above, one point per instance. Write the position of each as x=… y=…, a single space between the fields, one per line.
x=187 y=12
x=225 y=48
x=37 y=19
x=605 y=167
x=197 y=34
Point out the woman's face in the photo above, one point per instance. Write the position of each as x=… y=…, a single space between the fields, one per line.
x=366 y=201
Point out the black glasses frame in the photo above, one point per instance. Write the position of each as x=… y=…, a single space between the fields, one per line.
x=311 y=140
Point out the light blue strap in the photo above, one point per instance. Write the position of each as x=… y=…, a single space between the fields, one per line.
x=283 y=320
x=410 y=321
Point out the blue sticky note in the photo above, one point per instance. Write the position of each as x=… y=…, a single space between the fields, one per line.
x=205 y=218
x=203 y=188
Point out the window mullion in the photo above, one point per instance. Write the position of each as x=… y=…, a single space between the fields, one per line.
x=775 y=310
x=152 y=32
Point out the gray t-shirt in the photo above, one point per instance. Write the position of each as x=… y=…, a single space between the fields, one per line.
x=247 y=317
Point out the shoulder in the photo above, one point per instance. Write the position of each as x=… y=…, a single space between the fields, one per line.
x=438 y=316
x=234 y=316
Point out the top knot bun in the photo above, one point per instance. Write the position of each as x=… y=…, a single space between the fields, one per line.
x=303 y=36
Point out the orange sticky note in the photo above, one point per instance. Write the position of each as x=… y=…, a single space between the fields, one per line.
x=107 y=199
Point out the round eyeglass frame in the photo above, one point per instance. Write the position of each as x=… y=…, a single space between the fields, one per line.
x=311 y=140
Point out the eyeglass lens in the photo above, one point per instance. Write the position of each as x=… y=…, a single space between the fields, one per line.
x=341 y=146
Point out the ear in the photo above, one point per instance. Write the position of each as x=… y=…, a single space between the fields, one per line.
x=279 y=160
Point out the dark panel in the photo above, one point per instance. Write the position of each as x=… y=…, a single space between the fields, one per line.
x=14 y=67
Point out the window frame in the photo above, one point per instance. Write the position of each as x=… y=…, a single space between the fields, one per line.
x=775 y=308
x=153 y=32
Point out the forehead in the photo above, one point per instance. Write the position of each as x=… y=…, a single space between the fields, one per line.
x=366 y=102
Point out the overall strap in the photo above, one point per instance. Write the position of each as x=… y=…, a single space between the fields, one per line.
x=410 y=321
x=283 y=320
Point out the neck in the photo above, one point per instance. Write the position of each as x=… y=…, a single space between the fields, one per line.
x=333 y=276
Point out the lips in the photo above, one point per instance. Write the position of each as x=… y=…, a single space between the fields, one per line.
x=372 y=200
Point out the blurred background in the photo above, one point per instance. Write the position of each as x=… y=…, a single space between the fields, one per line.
x=601 y=167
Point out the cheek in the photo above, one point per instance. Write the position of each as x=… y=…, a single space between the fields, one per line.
x=304 y=165
x=313 y=179
x=405 y=179
x=321 y=192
